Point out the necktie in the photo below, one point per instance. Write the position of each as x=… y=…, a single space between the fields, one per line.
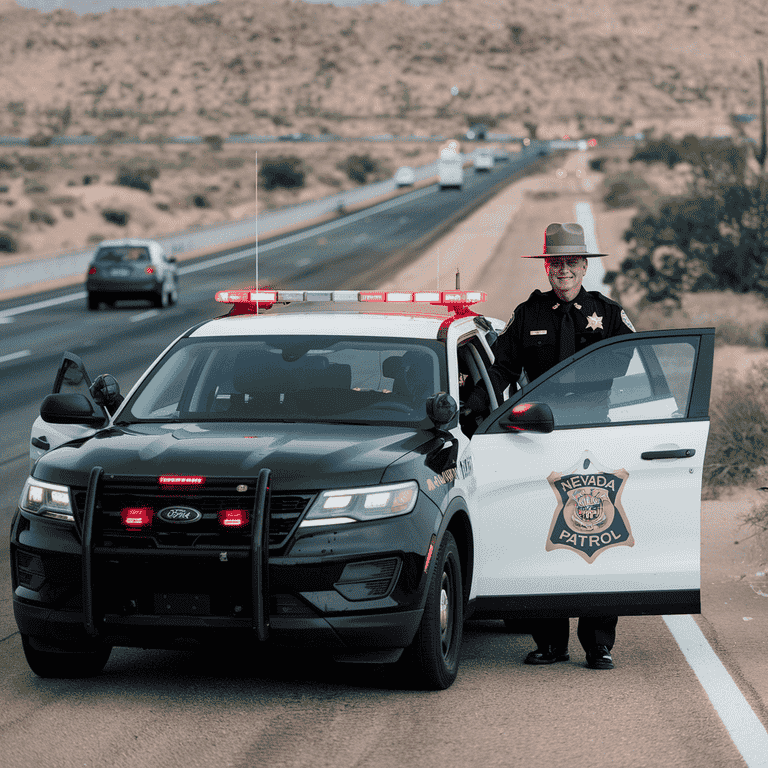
x=567 y=333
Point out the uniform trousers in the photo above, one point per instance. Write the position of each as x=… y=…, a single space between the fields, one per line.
x=592 y=631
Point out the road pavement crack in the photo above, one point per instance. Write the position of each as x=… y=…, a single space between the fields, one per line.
x=9 y=636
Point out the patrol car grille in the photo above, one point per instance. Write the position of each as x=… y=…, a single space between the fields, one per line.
x=217 y=494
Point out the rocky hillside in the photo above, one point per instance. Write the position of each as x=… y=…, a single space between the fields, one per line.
x=281 y=66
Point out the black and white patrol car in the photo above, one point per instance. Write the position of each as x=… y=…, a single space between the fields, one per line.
x=296 y=475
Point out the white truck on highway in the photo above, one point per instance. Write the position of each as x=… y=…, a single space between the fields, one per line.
x=450 y=168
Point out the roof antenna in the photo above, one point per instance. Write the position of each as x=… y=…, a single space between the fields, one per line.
x=458 y=279
x=256 y=219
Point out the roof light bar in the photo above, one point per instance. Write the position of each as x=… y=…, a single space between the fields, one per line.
x=249 y=301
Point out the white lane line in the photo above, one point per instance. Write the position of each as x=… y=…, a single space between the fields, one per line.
x=15 y=356
x=593 y=280
x=744 y=727
x=9 y=313
x=145 y=315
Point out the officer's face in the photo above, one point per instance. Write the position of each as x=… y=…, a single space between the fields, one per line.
x=565 y=274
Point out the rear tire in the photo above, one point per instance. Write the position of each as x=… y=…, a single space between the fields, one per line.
x=62 y=664
x=93 y=302
x=433 y=657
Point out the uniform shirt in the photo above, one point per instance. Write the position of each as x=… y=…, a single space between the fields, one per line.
x=531 y=339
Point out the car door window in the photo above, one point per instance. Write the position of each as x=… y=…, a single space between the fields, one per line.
x=646 y=380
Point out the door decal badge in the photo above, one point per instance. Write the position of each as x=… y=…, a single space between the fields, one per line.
x=589 y=517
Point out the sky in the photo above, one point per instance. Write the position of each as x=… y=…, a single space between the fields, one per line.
x=101 y=6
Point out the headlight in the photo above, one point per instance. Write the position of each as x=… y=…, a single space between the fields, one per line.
x=359 y=504
x=47 y=500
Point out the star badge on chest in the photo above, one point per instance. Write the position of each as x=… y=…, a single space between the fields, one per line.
x=595 y=322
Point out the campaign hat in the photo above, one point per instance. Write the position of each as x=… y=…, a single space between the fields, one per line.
x=564 y=240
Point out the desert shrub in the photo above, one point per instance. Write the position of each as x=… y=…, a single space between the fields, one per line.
x=359 y=167
x=34 y=187
x=38 y=216
x=33 y=164
x=200 y=201
x=738 y=436
x=665 y=150
x=624 y=190
x=597 y=164
x=40 y=140
x=114 y=216
x=90 y=178
x=214 y=142
x=137 y=177
x=8 y=243
x=6 y=163
x=282 y=173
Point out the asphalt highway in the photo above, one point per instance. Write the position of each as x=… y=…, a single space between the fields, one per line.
x=245 y=709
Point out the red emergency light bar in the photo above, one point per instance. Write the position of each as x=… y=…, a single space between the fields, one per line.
x=180 y=480
x=249 y=300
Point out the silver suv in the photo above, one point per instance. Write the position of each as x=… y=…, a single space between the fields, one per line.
x=131 y=268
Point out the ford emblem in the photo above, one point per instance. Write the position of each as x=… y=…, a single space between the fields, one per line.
x=180 y=515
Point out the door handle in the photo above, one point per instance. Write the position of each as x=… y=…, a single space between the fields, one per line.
x=680 y=453
x=41 y=442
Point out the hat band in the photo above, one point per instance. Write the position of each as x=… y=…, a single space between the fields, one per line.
x=554 y=250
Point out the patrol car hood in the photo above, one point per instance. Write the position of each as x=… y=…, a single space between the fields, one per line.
x=300 y=456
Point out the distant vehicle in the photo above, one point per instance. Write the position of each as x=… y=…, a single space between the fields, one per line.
x=478 y=132
x=450 y=168
x=483 y=162
x=131 y=269
x=405 y=177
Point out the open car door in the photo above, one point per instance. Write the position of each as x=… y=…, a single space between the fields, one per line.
x=71 y=378
x=600 y=514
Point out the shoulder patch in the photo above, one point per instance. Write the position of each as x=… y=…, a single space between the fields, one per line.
x=627 y=321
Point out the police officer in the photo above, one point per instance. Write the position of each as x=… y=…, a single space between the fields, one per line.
x=545 y=329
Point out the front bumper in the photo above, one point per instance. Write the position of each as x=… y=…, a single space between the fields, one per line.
x=172 y=597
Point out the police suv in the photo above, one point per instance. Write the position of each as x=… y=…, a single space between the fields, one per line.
x=298 y=473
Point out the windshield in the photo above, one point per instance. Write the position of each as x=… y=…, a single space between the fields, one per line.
x=292 y=378
x=122 y=253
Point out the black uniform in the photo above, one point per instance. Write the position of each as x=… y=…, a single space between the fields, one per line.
x=537 y=337
x=533 y=340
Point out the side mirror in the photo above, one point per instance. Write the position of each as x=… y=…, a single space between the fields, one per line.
x=105 y=392
x=529 y=417
x=72 y=408
x=442 y=408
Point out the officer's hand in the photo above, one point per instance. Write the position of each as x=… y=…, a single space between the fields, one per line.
x=478 y=401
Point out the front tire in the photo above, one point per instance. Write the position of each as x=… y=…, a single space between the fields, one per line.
x=62 y=664
x=433 y=657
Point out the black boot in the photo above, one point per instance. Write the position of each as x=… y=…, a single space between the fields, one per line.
x=547 y=654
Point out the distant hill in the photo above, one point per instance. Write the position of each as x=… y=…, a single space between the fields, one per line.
x=278 y=66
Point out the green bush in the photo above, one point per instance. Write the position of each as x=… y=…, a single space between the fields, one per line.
x=624 y=190
x=282 y=173
x=114 y=216
x=38 y=216
x=137 y=178
x=359 y=167
x=8 y=243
